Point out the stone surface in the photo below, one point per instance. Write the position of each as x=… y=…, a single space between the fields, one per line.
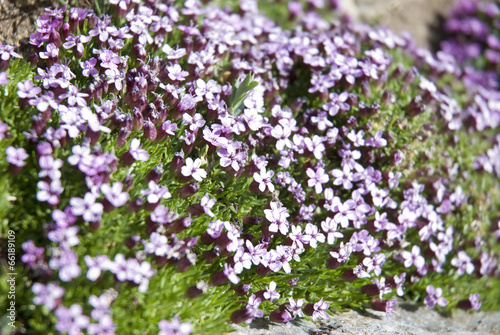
x=410 y=320
x=422 y=18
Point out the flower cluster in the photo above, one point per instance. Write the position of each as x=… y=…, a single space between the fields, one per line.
x=179 y=155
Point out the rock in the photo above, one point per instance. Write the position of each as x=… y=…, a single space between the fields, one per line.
x=410 y=319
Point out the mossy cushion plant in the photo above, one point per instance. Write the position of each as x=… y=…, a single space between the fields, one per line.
x=176 y=167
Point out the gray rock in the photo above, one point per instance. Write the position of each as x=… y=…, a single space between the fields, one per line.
x=410 y=320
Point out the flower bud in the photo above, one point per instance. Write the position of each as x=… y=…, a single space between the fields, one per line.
x=149 y=130
x=181 y=224
x=242 y=289
x=188 y=190
x=155 y=174
x=241 y=315
x=177 y=163
x=135 y=204
x=218 y=278
x=280 y=316
x=370 y=290
x=410 y=75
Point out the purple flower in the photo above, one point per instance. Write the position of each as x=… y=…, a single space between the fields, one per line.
x=49 y=192
x=76 y=42
x=48 y=295
x=16 y=156
x=315 y=145
x=136 y=152
x=295 y=307
x=413 y=258
x=87 y=208
x=7 y=51
x=264 y=179
x=79 y=152
x=345 y=213
x=3 y=129
x=337 y=103
x=174 y=327
x=156 y=192
x=52 y=51
x=104 y=327
x=95 y=265
x=344 y=177
x=192 y=169
x=103 y=29
x=4 y=79
x=101 y=306
x=313 y=235
x=271 y=294
x=114 y=194
x=435 y=297
x=33 y=255
x=330 y=227
x=158 y=244
x=231 y=156
x=65 y=237
x=109 y=59
x=277 y=215
x=463 y=263
x=66 y=261
x=318 y=310
x=386 y=306
x=207 y=204
x=88 y=67
x=317 y=179
x=176 y=73
x=27 y=90
x=280 y=258
x=71 y=320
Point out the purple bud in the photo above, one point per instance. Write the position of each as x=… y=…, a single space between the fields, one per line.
x=155 y=174
x=193 y=292
x=123 y=134
x=183 y=264
x=181 y=225
x=132 y=241
x=262 y=270
x=410 y=75
x=177 y=163
x=398 y=71
x=218 y=278
x=138 y=119
x=127 y=182
x=352 y=99
x=241 y=315
x=251 y=220
x=370 y=290
x=386 y=98
x=349 y=276
x=188 y=190
x=415 y=107
x=280 y=316
x=149 y=130
x=136 y=204
x=365 y=88
x=242 y=289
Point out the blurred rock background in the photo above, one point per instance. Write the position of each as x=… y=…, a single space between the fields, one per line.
x=422 y=18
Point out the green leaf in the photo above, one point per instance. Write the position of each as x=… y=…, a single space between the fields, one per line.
x=240 y=93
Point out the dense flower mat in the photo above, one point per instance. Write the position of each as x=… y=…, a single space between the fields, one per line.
x=174 y=167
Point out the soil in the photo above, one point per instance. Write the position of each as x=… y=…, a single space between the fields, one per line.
x=18 y=17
